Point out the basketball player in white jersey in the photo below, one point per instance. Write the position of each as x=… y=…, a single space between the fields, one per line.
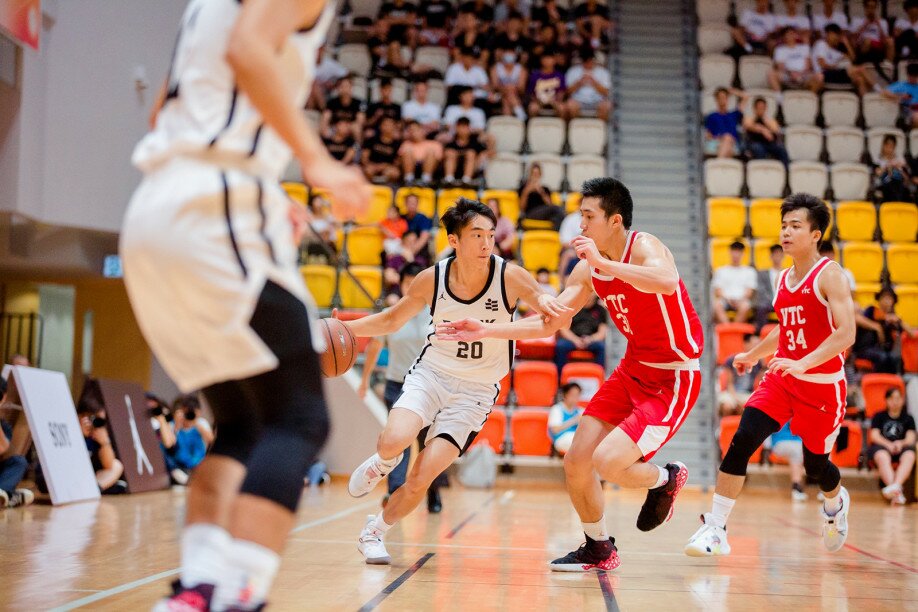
x=451 y=387
x=210 y=258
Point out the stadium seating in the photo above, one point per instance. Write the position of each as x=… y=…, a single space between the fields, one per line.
x=545 y=134
x=864 y=293
x=730 y=339
x=879 y=111
x=726 y=217
x=723 y=177
x=379 y=205
x=765 y=218
x=804 y=143
x=320 y=280
x=540 y=249
x=356 y=58
x=552 y=169
x=504 y=171
x=581 y=168
x=864 y=259
x=716 y=70
x=910 y=354
x=713 y=11
x=298 y=192
x=508 y=133
x=850 y=181
x=856 y=220
x=369 y=277
x=873 y=388
x=840 y=108
x=765 y=178
x=509 y=202
x=728 y=427
x=505 y=385
x=875 y=138
x=899 y=221
x=720 y=252
x=434 y=57
x=753 y=71
x=714 y=38
x=761 y=254
x=907 y=307
x=494 y=431
x=589 y=375
x=850 y=456
x=808 y=177
x=844 y=144
x=799 y=107
x=586 y=136
x=529 y=433
x=446 y=199
x=427 y=199
x=902 y=263
x=535 y=383
x=364 y=246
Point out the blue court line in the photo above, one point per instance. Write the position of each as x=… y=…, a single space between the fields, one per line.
x=607 y=592
x=128 y=586
x=466 y=520
x=371 y=605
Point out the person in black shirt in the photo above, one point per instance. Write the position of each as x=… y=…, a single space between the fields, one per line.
x=384 y=108
x=343 y=107
x=587 y=332
x=549 y=13
x=593 y=25
x=482 y=9
x=464 y=146
x=380 y=155
x=468 y=36
x=401 y=18
x=892 y=440
x=878 y=333
x=341 y=144
x=514 y=38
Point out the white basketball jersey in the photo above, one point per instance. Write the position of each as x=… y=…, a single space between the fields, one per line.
x=483 y=361
x=204 y=113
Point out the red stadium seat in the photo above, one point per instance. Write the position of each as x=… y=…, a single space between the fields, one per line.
x=353 y=315
x=535 y=383
x=850 y=456
x=578 y=355
x=730 y=339
x=494 y=431
x=910 y=353
x=728 y=427
x=538 y=348
x=588 y=375
x=874 y=386
x=529 y=432
x=504 y=390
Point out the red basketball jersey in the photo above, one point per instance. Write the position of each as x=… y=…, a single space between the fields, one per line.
x=661 y=329
x=805 y=320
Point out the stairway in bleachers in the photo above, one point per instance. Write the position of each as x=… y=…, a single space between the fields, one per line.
x=655 y=151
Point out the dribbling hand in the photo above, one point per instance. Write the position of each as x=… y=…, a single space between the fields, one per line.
x=350 y=192
x=463 y=330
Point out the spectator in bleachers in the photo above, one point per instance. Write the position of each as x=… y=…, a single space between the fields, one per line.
x=508 y=79
x=536 y=204
x=829 y=13
x=879 y=329
x=790 y=447
x=733 y=287
x=794 y=17
x=588 y=85
x=483 y=9
x=341 y=144
x=321 y=239
x=392 y=63
x=386 y=107
x=905 y=32
x=892 y=440
x=419 y=155
x=327 y=74
x=766 y=285
x=393 y=227
x=593 y=25
x=378 y=39
x=833 y=57
x=422 y=110
x=549 y=13
x=763 y=134
x=564 y=417
x=504 y=10
x=738 y=387
x=543 y=277
x=467 y=148
x=893 y=180
x=399 y=18
x=587 y=332
x=466 y=108
x=722 y=125
x=826 y=249
x=514 y=37
x=906 y=92
x=793 y=68
x=435 y=16
x=13 y=467
x=547 y=42
x=755 y=28
x=504 y=232
x=467 y=73
x=417 y=239
x=344 y=107
x=871 y=36
x=570 y=229
x=468 y=35
x=379 y=156
x=547 y=89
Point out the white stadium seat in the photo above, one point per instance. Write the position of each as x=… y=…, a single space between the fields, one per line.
x=433 y=57
x=713 y=11
x=716 y=70
x=850 y=181
x=714 y=38
x=808 y=177
x=765 y=178
x=723 y=177
x=840 y=108
x=753 y=71
x=879 y=111
x=552 y=169
x=582 y=168
x=875 y=141
x=356 y=58
x=804 y=143
x=545 y=134
x=504 y=171
x=844 y=144
x=436 y=92
x=587 y=136
x=800 y=107
x=508 y=133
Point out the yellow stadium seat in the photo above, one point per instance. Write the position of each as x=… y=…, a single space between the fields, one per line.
x=765 y=218
x=761 y=255
x=320 y=280
x=864 y=259
x=298 y=192
x=720 y=252
x=557 y=198
x=369 y=277
x=364 y=246
x=446 y=199
x=509 y=202
x=379 y=206
x=907 y=307
x=540 y=249
x=427 y=199
x=899 y=221
x=864 y=292
x=856 y=220
x=902 y=263
x=573 y=202
x=441 y=241
x=726 y=217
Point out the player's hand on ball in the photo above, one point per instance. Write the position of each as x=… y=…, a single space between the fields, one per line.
x=787 y=366
x=742 y=363
x=552 y=307
x=350 y=191
x=464 y=330
x=586 y=249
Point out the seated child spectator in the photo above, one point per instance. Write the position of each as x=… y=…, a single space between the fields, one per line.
x=892 y=440
x=419 y=155
x=547 y=89
x=564 y=417
x=892 y=173
x=543 y=277
x=786 y=445
x=467 y=148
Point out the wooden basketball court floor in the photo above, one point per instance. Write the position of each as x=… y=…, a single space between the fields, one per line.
x=487 y=550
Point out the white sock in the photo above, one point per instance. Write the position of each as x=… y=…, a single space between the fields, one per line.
x=597 y=530
x=251 y=569
x=720 y=510
x=450 y=178
x=409 y=176
x=662 y=477
x=204 y=550
x=387 y=465
x=466 y=179
x=832 y=504
x=426 y=177
x=380 y=524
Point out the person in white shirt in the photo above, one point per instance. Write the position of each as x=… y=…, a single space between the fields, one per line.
x=733 y=287
x=905 y=31
x=794 y=17
x=793 y=67
x=833 y=57
x=588 y=85
x=467 y=73
x=465 y=108
x=328 y=73
x=755 y=27
x=422 y=110
x=871 y=36
x=829 y=13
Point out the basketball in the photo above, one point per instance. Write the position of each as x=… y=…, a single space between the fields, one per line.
x=340 y=348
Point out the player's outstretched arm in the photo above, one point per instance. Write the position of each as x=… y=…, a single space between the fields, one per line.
x=521 y=285
x=574 y=297
x=260 y=32
x=389 y=320
x=651 y=270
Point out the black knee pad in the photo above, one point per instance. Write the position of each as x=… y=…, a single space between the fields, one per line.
x=236 y=430
x=755 y=426
x=277 y=466
x=820 y=469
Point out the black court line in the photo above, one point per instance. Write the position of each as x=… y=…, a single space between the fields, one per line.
x=373 y=603
x=607 y=592
x=466 y=520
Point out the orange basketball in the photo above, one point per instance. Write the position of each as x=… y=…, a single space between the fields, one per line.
x=340 y=348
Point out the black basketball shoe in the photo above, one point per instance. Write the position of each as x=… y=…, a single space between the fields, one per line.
x=658 y=507
x=592 y=554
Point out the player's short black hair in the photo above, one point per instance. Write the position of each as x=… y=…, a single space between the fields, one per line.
x=736 y=245
x=817 y=212
x=614 y=197
x=459 y=216
x=409 y=269
x=567 y=387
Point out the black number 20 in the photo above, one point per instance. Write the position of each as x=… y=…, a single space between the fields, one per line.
x=474 y=353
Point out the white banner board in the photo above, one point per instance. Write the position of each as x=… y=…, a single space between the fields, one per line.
x=45 y=397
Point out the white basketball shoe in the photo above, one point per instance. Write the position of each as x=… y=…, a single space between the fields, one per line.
x=708 y=541
x=835 y=527
x=368 y=474
x=370 y=544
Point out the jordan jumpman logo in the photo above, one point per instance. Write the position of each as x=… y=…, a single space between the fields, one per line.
x=142 y=460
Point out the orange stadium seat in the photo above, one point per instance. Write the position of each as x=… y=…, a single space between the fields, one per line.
x=730 y=339
x=540 y=249
x=379 y=206
x=504 y=393
x=536 y=348
x=910 y=354
x=588 y=375
x=728 y=427
x=765 y=218
x=365 y=246
x=494 y=431
x=529 y=432
x=850 y=455
x=535 y=383
x=874 y=386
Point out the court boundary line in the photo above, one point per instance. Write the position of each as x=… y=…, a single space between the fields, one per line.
x=608 y=593
x=392 y=586
x=129 y=586
x=506 y=496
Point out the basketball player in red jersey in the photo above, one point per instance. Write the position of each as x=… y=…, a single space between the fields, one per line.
x=805 y=383
x=646 y=399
